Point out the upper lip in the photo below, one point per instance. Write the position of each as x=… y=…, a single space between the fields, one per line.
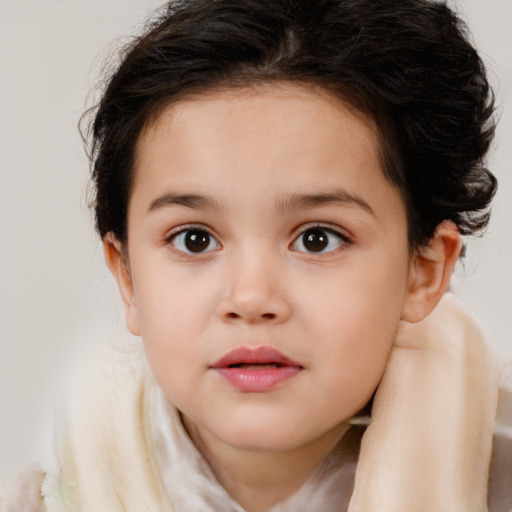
x=256 y=355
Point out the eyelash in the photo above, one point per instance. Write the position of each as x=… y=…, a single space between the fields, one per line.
x=344 y=240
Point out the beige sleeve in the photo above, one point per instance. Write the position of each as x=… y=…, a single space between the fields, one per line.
x=500 y=477
x=24 y=492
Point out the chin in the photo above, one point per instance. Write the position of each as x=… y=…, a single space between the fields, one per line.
x=265 y=440
x=270 y=434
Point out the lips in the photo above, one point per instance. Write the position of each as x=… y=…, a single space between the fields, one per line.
x=256 y=370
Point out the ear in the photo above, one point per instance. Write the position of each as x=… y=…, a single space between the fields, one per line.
x=430 y=272
x=118 y=264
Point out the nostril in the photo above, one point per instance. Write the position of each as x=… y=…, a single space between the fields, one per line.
x=236 y=316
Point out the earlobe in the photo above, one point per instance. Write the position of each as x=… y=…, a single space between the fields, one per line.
x=430 y=272
x=118 y=264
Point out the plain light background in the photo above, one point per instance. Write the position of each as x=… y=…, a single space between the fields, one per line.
x=57 y=301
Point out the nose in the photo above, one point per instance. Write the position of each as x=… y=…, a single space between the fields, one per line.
x=255 y=292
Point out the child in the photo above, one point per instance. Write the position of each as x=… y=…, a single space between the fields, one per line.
x=281 y=190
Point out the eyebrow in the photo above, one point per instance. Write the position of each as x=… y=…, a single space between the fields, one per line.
x=195 y=201
x=292 y=202
x=327 y=198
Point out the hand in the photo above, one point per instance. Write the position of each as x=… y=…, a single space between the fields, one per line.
x=429 y=443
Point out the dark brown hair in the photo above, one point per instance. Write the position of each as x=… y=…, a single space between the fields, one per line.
x=408 y=64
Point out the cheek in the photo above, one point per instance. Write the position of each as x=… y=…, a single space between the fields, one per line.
x=357 y=337
x=176 y=308
x=171 y=297
x=354 y=320
x=366 y=295
x=353 y=359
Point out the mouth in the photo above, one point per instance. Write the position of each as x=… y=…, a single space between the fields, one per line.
x=256 y=370
x=256 y=366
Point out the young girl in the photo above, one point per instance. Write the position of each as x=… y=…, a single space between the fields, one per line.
x=281 y=189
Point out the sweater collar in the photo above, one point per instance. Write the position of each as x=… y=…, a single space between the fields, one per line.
x=192 y=486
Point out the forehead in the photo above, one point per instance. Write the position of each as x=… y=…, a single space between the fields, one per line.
x=286 y=137
x=269 y=115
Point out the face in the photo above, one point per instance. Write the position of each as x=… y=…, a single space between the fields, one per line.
x=268 y=263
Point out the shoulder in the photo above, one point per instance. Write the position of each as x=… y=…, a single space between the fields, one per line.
x=24 y=492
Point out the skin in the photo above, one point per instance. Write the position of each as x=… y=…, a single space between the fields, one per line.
x=267 y=159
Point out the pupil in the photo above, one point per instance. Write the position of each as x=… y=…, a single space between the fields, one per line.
x=197 y=240
x=315 y=240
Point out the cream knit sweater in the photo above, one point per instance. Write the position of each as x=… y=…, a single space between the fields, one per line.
x=428 y=447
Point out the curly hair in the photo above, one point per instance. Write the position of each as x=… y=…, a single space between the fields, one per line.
x=408 y=64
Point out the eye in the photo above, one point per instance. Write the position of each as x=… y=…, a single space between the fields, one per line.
x=193 y=241
x=319 y=240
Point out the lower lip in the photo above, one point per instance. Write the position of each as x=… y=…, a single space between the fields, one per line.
x=258 y=380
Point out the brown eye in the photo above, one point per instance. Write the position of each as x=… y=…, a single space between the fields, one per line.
x=315 y=240
x=194 y=241
x=318 y=240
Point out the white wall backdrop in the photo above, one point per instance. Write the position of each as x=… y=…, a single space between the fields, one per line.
x=56 y=299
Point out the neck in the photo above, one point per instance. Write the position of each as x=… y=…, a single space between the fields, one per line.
x=256 y=479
